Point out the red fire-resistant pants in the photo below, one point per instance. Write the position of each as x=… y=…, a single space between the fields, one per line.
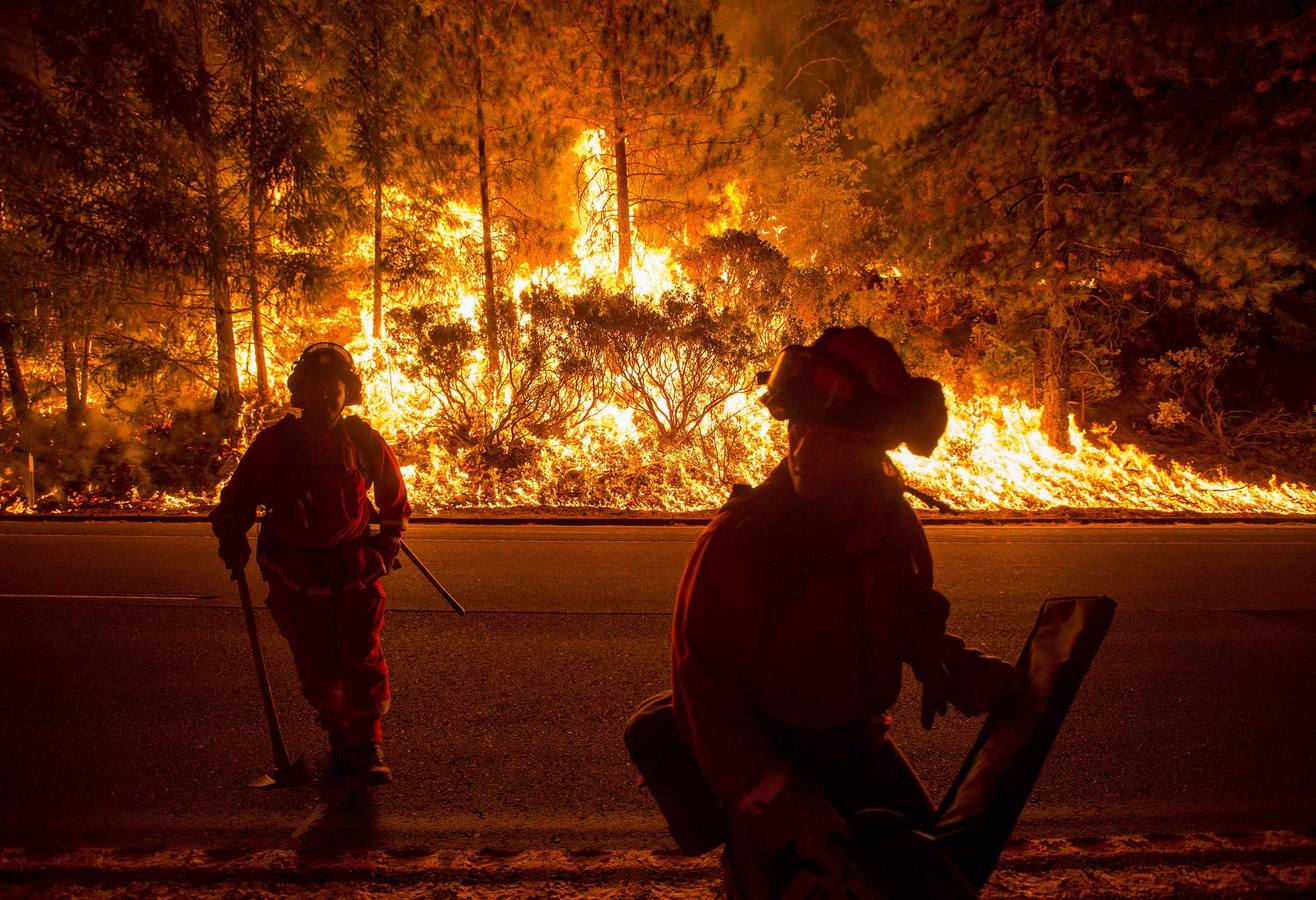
x=335 y=646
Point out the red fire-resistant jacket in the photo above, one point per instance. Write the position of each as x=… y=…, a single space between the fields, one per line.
x=782 y=617
x=315 y=485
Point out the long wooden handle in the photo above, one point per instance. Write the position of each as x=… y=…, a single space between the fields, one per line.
x=281 y=759
x=443 y=592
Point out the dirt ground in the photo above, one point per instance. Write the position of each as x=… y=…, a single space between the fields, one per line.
x=1258 y=865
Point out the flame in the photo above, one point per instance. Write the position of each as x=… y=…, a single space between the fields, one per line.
x=993 y=456
x=653 y=269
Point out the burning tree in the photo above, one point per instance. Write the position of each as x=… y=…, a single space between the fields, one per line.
x=1077 y=198
x=656 y=79
x=497 y=110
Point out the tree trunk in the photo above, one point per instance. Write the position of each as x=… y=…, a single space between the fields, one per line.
x=619 y=152
x=72 y=408
x=253 y=279
x=623 y=209
x=376 y=268
x=14 y=371
x=253 y=290
x=697 y=220
x=486 y=222
x=1055 y=380
x=86 y=365
x=377 y=177
x=228 y=396
x=1055 y=342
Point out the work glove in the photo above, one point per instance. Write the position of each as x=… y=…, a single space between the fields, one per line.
x=235 y=551
x=982 y=684
x=999 y=685
x=388 y=546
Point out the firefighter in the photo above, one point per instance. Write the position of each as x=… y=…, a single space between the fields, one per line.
x=316 y=551
x=800 y=603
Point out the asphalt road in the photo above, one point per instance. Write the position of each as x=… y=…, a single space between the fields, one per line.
x=129 y=715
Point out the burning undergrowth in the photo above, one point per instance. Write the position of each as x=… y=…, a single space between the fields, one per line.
x=605 y=399
x=570 y=387
x=602 y=397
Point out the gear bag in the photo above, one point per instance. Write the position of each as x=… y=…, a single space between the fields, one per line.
x=669 y=770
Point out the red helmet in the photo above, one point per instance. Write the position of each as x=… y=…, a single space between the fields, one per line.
x=851 y=378
x=329 y=358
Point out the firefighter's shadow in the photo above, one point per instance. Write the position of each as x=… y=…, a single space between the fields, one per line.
x=348 y=822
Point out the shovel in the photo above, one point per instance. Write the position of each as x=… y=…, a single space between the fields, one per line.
x=287 y=773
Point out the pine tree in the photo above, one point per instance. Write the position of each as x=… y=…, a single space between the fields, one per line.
x=72 y=214
x=656 y=78
x=375 y=45
x=966 y=129
x=1065 y=157
x=274 y=136
x=498 y=110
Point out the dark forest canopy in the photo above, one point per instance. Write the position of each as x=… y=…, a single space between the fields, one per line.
x=1103 y=208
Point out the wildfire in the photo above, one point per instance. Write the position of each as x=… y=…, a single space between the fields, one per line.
x=653 y=270
x=993 y=456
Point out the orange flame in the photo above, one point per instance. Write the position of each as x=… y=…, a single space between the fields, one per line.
x=993 y=456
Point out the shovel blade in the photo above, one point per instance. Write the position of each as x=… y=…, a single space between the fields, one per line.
x=293 y=775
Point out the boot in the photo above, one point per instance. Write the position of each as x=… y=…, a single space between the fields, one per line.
x=342 y=757
x=371 y=765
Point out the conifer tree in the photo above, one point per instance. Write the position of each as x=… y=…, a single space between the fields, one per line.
x=1059 y=157
x=497 y=108
x=375 y=46
x=274 y=137
x=657 y=79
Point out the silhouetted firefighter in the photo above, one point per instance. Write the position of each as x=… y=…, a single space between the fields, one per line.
x=799 y=604
x=313 y=474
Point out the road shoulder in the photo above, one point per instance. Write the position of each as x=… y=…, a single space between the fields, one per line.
x=1259 y=864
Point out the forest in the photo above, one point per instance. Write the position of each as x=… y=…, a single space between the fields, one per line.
x=560 y=238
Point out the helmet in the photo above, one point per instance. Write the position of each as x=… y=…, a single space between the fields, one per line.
x=331 y=358
x=851 y=378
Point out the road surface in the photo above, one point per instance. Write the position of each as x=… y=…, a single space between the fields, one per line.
x=130 y=716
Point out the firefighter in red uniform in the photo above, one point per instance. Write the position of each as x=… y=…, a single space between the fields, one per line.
x=315 y=549
x=799 y=604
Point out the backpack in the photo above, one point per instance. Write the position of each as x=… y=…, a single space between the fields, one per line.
x=362 y=436
x=294 y=464
x=669 y=770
